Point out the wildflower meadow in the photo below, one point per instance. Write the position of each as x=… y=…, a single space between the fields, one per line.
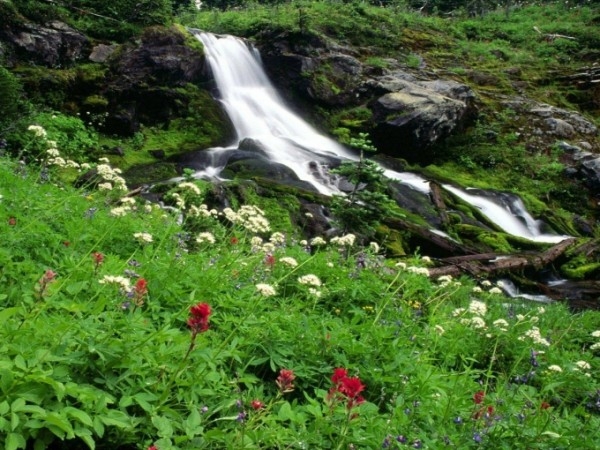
x=127 y=324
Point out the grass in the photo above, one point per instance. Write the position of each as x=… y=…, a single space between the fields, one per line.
x=306 y=344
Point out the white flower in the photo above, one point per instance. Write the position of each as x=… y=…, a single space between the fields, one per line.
x=495 y=290
x=127 y=201
x=478 y=308
x=189 y=186
x=477 y=289
x=458 y=311
x=268 y=247
x=315 y=292
x=266 y=290
x=37 y=130
x=143 y=238
x=104 y=160
x=596 y=333
x=303 y=243
x=554 y=368
x=583 y=365
x=120 y=211
x=439 y=329
x=277 y=238
x=541 y=309
x=330 y=264
x=595 y=346
x=520 y=317
x=105 y=186
x=310 y=279
x=205 y=237
x=53 y=152
x=374 y=247
x=256 y=241
x=419 y=270
x=289 y=261
x=426 y=259
x=308 y=215
x=125 y=283
x=342 y=241
x=477 y=322
x=401 y=265
x=317 y=241
x=486 y=283
x=536 y=336
x=501 y=324
x=500 y=283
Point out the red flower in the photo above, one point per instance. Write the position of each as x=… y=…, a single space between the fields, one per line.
x=285 y=380
x=48 y=277
x=66 y=243
x=545 y=405
x=139 y=291
x=257 y=404
x=153 y=447
x=233 y=240
x=199 y=320
x=349 y=387
x=12 y=221
x=98 y=258
x=338 y=375
x=270 y=260
x=478 y=397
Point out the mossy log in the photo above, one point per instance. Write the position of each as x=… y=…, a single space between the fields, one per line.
x=484 y=264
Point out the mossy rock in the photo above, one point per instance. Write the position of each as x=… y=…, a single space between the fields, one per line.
x=149 y=173
x=392 y=240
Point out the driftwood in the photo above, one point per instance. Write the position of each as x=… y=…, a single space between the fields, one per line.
x=480 y=264
x=552 y=36
x=438 y=201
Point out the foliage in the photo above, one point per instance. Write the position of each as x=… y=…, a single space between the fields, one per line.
x=11 y=99
x=367 y=203
x=124 y=325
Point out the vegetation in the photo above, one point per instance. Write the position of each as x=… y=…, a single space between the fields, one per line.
x=124 y=327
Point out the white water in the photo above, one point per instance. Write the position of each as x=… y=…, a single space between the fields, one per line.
x=257 y=112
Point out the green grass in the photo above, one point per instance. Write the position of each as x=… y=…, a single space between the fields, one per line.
x=86 y=362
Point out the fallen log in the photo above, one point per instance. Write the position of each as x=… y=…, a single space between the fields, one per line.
x=485 y=264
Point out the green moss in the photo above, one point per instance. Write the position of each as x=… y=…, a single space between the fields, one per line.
x=580 y=268
x=392 y=240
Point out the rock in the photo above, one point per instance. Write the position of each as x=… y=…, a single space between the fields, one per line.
x=413 y=118
x=54 y=44
x=560 y=127
x=101 y=53
x=158 y=154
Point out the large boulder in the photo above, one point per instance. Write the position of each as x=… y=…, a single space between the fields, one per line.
x=54 y=44
x=413 y=115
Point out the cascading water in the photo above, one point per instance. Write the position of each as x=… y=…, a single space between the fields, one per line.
x=257 y=112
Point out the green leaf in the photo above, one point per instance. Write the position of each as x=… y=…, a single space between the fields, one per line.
x=4 y=407
x=191 y=425
x=76 y=288
x=86 y=436
x=163 y=426
x=116 y=418
x=285 y=412
x=79 y=415
x=7 y=313
x=15 y=441
x=60 y=422
x=20 y=362
x=14 y=421
x=6 y=380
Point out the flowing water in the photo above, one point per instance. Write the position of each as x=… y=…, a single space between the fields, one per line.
x=257 y=112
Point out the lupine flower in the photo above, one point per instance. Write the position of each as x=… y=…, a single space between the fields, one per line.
x=285 y=380
x=198 y=322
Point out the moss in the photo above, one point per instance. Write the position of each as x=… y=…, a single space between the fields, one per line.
x=149 y=173
x=392 y=240
x=580 y=268
x=489 y=240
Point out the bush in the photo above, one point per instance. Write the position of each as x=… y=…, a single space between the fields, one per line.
x=10 y=98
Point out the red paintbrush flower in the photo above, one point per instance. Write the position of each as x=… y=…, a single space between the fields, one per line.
x=200 y=316
x=285 y=380
x=478 y=397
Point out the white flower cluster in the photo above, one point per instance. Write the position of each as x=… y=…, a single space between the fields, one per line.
x=446 y=280
x=535 y=335
x=37 y=130
x=475 y=322
x=266 y=290
x=374 y=247
x=186 y=185
x=310 y=280
x=289 y=261
x=595 y=346
x=478 y=308
x=143 y=238
x=179 y=201
x=123 y=282
x=205 y=237
x=501 y=324
x=111 y=175
x=318 y=242
x=418 y=270
x=344 y=241
x=277 y=238
x=201 y=211
x=250 y=217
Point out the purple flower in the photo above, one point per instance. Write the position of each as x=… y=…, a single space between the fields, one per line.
x=241 y=417
x=458 y=420
x=401 y=438
x=477 y=437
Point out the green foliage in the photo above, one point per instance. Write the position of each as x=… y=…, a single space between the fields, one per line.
x=368 y=202
x=11 y=100
x=91 y=361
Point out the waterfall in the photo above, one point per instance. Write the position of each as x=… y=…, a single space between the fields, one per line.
x=257 y=112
